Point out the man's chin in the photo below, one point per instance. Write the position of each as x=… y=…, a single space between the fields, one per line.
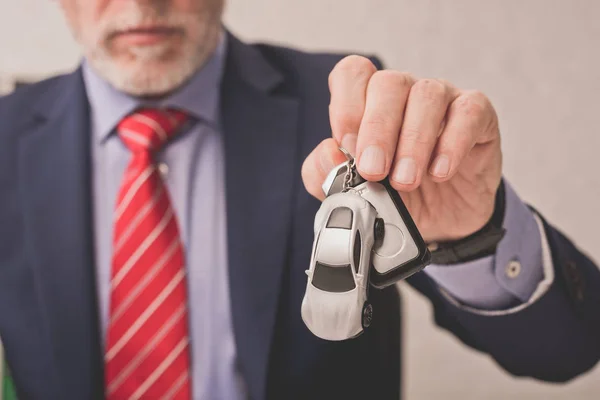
x=150 y=84
x=148 y=70
x=147 y=77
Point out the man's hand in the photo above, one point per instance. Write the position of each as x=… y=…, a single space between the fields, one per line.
x=440 y=145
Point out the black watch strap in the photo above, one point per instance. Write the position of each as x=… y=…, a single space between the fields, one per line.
x=477 y=245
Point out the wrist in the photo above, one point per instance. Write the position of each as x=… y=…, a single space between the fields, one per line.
x=479 y=244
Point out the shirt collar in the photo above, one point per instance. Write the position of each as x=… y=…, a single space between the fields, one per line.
x=199 y=96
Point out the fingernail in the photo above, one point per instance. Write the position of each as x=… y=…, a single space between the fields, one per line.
x=372 y=160
x=406 y=171
x=441 y=166
x=326 y=162
x=349 y=142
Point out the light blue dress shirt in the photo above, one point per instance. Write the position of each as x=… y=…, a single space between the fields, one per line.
x=193 y=169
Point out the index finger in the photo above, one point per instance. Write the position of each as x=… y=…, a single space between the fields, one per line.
x=348 y=83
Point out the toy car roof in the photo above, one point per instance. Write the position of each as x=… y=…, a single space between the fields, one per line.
x=348 y=199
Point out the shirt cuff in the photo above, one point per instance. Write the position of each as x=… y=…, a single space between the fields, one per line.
x=518 y=274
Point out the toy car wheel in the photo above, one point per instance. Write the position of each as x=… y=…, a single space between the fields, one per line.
x=367 y=315
x=379 y=229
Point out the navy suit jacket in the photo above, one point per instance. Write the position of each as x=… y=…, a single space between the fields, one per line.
x=275 y=111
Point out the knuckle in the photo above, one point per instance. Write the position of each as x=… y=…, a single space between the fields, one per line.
x=470 y=104
x=481 y=99
x=377 y=124
x=415 y=136
x=390 y=78
x=429 y=89
x=477 y=95
x=410 y=133
x=448 y=85
x=354 y=66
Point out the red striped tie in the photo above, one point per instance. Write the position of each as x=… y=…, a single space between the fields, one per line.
x=147 y=349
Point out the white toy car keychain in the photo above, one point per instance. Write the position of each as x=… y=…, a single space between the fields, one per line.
x=363 y=236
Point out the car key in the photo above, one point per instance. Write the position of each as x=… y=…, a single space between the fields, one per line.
x=363 y=236
x=402 y=252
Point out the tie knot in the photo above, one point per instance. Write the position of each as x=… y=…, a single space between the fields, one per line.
x=148 y=129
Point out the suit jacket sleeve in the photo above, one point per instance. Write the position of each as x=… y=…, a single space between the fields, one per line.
x=554 y=339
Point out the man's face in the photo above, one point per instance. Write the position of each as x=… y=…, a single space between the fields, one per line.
x=145 y=47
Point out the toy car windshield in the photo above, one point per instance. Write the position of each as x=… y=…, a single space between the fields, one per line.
x=333 y=278
x=340 y=218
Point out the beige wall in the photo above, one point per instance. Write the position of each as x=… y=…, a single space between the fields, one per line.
x=538 y=60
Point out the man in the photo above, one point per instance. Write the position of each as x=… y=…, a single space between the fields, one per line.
x=156 y=225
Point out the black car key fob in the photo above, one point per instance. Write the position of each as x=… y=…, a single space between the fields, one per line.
x=402 y=252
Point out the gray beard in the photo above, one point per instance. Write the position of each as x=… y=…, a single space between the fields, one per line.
x=151 y=73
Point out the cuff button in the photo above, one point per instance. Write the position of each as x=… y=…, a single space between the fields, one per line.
x=513 y=269
x=433 y=246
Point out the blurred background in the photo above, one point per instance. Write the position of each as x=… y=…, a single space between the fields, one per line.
x=538 y=61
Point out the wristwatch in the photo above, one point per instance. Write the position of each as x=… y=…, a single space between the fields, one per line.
x=480 y=244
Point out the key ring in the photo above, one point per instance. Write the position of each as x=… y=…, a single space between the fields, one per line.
x=349 y=177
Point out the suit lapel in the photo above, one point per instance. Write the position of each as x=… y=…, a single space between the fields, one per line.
x=262 y=170
x=54 y=185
